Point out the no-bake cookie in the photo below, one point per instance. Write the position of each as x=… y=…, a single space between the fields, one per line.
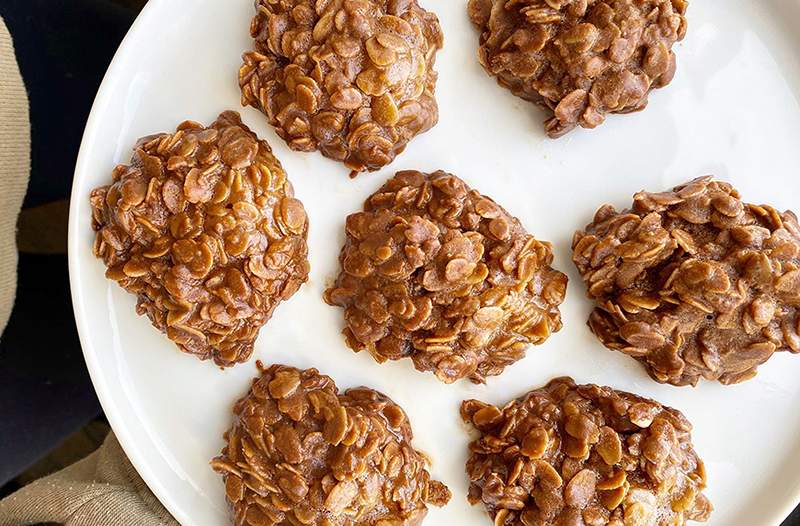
x=434 y=271
x=353 y=79
x=694 y=282
x=203 y=228
x=571 y=454
x=301 y=452
x=580 y=59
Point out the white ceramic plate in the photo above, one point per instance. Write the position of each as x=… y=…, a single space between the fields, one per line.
x=732 y=110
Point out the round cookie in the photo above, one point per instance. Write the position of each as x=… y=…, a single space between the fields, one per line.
x=300 y=452
x=694 y=283
x=584 y=455
x=434 y=271
x=580 y=59
x=203 y=227
x=353 y=79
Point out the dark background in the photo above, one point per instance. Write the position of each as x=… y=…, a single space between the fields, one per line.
x=46 y=398
x=49 y=415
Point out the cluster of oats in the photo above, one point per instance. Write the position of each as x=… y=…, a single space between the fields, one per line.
x=584 y=455
x=300 y=452
x=353 y=79
x=203 y=227
x=694 y=282
x=580 y=59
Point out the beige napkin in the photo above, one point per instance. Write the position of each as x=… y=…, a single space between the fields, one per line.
x=101 y=490
x=104 y=488
x=15 y=162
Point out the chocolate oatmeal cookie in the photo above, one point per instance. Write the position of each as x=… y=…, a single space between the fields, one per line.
x=203 y=227
x=694 y=283
x=353 y=79
x=434 y=271
x=581 y=59
x=571 y=454
x=300 y=452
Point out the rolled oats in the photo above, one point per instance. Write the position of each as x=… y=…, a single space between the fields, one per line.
x=353 y=79
x=203 y=227
x=694 y=283
x=434 y=271
x=580 y=59
x=300 y=452
x=584 y=455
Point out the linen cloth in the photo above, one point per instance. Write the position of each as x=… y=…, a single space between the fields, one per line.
x=101 y=490
x=15 y=161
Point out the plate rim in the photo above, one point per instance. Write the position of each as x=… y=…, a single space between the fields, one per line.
x=142 y=462
x=98 y=377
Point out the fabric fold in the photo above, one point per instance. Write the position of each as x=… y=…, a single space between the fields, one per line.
x=15 y=163
x=103 y=489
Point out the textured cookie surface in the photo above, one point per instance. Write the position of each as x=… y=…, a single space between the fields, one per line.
x=584 y=455
x=203 y=227
x=434 y=271
x=694 y=282
x=301 y=452
x=353 y=79
x=581 y=59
